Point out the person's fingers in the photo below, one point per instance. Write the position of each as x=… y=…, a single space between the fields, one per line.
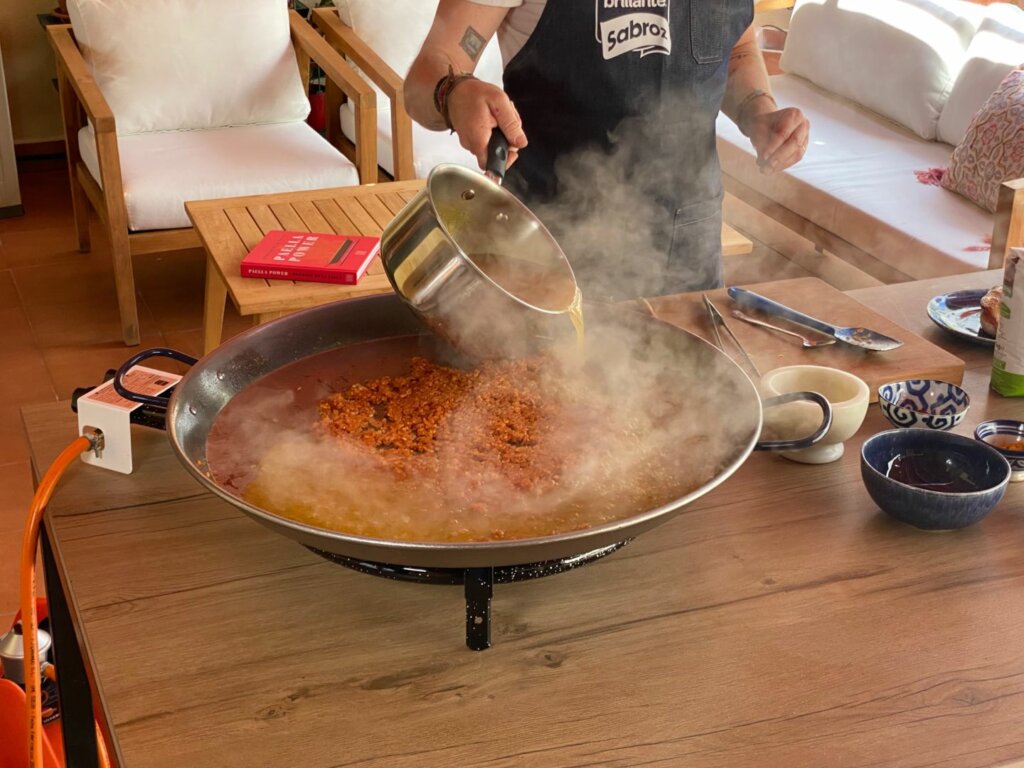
x=785 y=123
x=475 y=109
x=476 y=134
x=513 y=153
x=791 y=152
x=507 y=118
x=782 y=125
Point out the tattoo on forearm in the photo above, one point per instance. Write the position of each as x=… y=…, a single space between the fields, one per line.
x=472 y=43
x=736 y=59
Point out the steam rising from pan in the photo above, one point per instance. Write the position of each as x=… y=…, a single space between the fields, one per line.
x=648 y=448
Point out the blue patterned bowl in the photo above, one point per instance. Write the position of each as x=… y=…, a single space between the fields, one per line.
x=923 y=403
x=933 y=480
x=1007 y=437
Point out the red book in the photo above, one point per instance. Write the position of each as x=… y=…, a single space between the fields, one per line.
x=311 y=256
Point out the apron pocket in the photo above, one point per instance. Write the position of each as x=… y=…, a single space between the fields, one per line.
x=707 y=30
x=695 y=252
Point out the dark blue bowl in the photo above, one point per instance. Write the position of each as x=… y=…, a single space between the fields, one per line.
x=933 y=480
x=1001 y=433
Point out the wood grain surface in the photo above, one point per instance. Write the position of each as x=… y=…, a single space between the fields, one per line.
x=917 y=358
x=231 y=227
x=781 y=620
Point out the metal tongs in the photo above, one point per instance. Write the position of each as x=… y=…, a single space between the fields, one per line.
x=717 y=322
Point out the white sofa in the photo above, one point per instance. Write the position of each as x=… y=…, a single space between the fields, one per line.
x=889 y=87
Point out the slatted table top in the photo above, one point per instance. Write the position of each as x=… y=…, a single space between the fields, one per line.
x=230 y=227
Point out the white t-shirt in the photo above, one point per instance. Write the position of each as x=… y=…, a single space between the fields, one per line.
x=518 y=25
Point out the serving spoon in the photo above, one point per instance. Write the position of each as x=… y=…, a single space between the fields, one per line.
x=804 y=341
x=856 y=336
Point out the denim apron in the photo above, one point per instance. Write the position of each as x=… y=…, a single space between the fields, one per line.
x=619 y=100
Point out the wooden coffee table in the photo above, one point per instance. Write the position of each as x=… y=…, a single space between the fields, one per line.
x=230 y=227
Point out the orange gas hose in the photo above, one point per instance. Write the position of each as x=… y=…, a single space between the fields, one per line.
x=29 y=619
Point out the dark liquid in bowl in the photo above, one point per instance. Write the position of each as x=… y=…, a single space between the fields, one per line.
x=940 y=470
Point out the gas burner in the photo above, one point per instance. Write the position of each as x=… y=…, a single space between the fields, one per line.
x=478 y=582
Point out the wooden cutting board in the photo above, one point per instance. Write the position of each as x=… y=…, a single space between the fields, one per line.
x=916 y=359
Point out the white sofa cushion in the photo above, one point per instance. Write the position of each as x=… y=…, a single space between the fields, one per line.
x=178 y=64
x=859 y=181
x=161 y=170
x=896 y=57
x=997 y=48
x=429 y=148
x=395 y=31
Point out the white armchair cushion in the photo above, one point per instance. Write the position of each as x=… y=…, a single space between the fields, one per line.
x=167 y=65
x=429 y=148
x=997 y=48
x=896 y=57
x=395 y=31
x=161 y=170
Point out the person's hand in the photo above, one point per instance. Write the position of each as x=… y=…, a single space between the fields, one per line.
x=779 y=138
x=474 y=109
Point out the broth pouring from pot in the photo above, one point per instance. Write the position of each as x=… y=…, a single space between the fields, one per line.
x=535 y=284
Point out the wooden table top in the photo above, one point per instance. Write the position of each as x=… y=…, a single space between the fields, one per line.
x=734 y=243
x=229 y=228
x=781 y=620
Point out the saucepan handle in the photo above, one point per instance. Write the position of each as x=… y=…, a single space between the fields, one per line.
x=159 y=401
x=804 y=442
x=497 y=155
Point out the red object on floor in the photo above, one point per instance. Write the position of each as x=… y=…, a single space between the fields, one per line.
x=317 y=112
x=14 y=731
x=14 y=718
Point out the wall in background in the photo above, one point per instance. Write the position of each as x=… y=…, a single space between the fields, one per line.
x=28 y=65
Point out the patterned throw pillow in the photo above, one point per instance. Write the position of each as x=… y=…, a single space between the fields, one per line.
x=992 y=150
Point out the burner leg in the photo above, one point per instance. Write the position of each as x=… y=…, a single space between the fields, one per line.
x=479 y=585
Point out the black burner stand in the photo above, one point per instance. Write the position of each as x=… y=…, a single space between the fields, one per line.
x=478 y=583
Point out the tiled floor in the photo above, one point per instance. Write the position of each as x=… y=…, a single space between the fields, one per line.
x=59 y=326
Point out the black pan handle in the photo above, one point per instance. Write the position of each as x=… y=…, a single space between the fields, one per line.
x=804 y=442
x=497 y=155
x=160 y=401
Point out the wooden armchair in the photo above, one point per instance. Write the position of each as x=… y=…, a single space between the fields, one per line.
x=117 y=173
x=344 y=40
x=406 y=150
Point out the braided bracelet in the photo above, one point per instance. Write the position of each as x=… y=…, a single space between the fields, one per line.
x=444 y=89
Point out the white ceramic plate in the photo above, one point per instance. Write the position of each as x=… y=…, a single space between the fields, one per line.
x=959 y=313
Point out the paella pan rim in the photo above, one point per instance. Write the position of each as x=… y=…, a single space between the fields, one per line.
x=427 y=553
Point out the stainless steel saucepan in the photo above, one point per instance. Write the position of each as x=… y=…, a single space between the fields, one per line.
x=477 y=266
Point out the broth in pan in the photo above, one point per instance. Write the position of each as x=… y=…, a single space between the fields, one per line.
x=385 y=440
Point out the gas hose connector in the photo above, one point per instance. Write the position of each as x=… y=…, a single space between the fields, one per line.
x=96 y=440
